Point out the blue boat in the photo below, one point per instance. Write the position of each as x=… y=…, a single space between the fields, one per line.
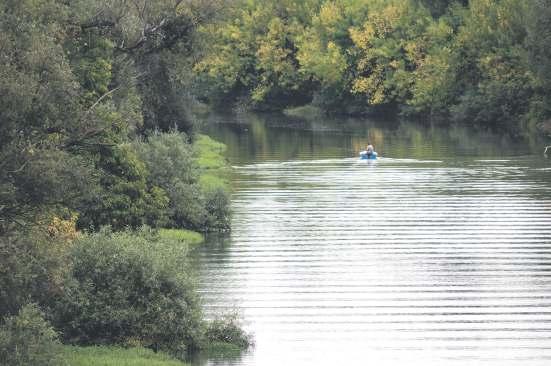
x=365 y=156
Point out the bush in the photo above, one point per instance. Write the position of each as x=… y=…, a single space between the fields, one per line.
x=130 y=289
x=125 y=199
x=193 y=177
x=28 y=340
x=169 y=160
x=227 y=330
x=33 y=264
x=217 y=205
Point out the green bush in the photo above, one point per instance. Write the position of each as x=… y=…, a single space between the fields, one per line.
x=168 y=157
x=130 y=289
x=125 y=199
x=192 y=177
x=217 y=205
x=28 y=340
x=33 y=264
x=227 y=330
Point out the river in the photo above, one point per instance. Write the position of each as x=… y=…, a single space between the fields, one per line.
x=438 y=253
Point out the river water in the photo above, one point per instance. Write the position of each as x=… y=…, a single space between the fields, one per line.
x=438 y=253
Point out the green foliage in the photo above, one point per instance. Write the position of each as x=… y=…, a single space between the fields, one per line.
x=217 y=206
x=388 y=47
x=193 y=177
x=41 y=180
x=126 y=200
x=116 y=356
x=475 y=61
x=79 y=79
x=213 y=180
x=169 y=159
x=92 y=55
x=33 y=264
x=227 y=330
x=185 y=236
x=28 y=340
x=253 y=55
x=210 y=157
x=129 y=288
x=40 y=114
x=539 y=51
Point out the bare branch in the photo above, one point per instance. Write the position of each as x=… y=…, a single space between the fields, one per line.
x=100 y=99
x=19 y=169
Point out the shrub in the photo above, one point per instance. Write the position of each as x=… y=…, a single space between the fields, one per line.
x=125 y=199
x=227 y=330
x=168 y=157
x=33 y=264
x=193 y=178
x=217 y=205
x=130 y=288
x=28 y=340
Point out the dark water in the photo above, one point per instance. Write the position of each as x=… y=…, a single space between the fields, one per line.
x=439 y=253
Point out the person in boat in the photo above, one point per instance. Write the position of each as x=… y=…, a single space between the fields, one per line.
x=369 y=150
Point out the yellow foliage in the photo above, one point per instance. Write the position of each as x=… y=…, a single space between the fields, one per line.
x=373 y=86
x=330 y=16
x=63 y=229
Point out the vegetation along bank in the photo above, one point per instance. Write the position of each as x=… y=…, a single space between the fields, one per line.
x=104 y=183
x=101 y=164
x=484 y=62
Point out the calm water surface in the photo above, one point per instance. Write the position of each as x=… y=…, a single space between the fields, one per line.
x=438 y=253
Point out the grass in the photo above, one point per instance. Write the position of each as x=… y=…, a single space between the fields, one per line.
x=212 y=163
x=186 y=236
x=116 y=356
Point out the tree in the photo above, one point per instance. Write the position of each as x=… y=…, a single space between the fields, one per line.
x=387 y=46
x=252 y=56
x=539 y=47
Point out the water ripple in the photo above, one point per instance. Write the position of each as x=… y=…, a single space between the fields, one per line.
x=397 y=262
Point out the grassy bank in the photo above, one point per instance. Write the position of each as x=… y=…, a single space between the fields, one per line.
x=116 y=356
x=213 y=165
x=186 y=237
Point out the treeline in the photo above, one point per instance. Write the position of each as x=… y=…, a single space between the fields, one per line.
x=92 y=114
x=98 y=158
x=479 y=61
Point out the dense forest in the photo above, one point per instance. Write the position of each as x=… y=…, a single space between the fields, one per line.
x=100 y=170
x=478 y=61
x=101 y=166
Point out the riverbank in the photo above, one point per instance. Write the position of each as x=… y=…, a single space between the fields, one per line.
x=213 y=165
x=120 y=286
x=116 y=356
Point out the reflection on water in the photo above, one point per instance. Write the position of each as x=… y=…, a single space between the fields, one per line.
x=252 y=137
x=437 y=254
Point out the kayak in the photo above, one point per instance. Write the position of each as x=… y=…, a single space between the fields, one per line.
x=365 y=156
